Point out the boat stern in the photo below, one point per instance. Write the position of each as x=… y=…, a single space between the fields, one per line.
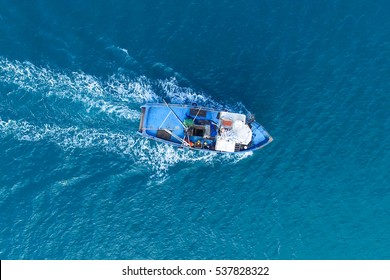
x=142 y=120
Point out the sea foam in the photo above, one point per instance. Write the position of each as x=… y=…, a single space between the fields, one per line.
x=117 y=95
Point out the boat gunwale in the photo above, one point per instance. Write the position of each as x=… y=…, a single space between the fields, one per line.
x=142 y=131
x=181 y=146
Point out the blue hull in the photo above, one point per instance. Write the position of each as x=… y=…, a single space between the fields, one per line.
x=201 y=128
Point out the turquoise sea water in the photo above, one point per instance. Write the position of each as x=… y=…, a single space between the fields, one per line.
x=78 y=183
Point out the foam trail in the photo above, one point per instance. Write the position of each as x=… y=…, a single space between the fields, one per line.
x=138 y=90
x=106 y=96
x=68 y=137
x=185 y=95
x=155 y=156
x=115 y=96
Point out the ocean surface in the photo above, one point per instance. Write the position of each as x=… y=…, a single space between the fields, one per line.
x=76 y=182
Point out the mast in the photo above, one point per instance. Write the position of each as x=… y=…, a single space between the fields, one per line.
x=175 y=114
x=197 y=113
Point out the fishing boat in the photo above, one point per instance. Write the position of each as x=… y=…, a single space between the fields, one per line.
x=198 y=128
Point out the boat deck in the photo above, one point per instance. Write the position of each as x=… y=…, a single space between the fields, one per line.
x=161 y=117
x=201 y=128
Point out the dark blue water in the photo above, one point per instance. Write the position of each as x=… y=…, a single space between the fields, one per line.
x=78 y=183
